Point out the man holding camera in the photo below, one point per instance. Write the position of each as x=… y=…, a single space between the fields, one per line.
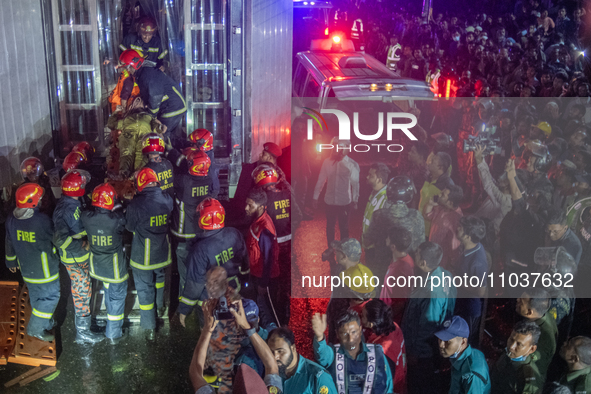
x=217 y=246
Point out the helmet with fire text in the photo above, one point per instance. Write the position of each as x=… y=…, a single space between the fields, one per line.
x=212 y=214
x=132 y=58
x=74 y=183
x=73 y=161
x=265 y=174
x=199 y=163
x=144 y=177
x=31 y=167
x=400 y=189
x=203 y=139
x=104 y=196
x=29 y=195
x=85 y=148
x=153 y=143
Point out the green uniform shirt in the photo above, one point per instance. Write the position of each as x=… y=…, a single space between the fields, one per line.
x=376 y=202
x=546 y=343
x=310 y=378
x=519 y=377
x=469 y=373
x=579 y=382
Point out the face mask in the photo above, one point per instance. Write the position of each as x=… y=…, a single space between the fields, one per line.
x=456 y=38
x=521 y=358
x=455 y=355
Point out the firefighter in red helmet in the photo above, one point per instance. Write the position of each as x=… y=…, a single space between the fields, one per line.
x=216 y=246
x=29 y=247
x=105 y=226
x=70 y=238
x=147 y=216
x=147 y=41
x=153 y=146
x=32 y=171
x=190 y=188
x=284 y=212
x=160 y=93
x=199 y=140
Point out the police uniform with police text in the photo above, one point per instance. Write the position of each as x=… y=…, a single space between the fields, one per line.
x=224 y=247
x=29 y=246
x=190 y=190
x=368 y=373
x=147 y=218
x=163 y=170
x=107 y=262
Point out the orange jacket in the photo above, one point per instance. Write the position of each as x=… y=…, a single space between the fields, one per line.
x=115 y=97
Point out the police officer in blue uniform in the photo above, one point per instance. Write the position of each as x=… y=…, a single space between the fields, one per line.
x=104 y=227
x=29 y=247
x=147 y=218
x=191 y=188
x=356 y=367
x=217 y=246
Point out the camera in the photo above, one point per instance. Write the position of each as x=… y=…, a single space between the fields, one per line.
x=484 y=139
x=222 y=310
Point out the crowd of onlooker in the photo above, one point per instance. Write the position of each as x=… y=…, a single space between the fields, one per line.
x=524 y=49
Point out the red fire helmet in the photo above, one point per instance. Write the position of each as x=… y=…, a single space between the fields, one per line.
x=153 y=143
x=73 y=183
x=203 y=138
x=31 y=166
x=199 y=163
x=265 y=174
x=132 y=58
x=145 y=176
x=212 y=214
x=85 y=148
x=28 y=195
x=104 y=196
x=73 y=161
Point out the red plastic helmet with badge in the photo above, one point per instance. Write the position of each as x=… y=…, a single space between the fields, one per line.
x=29 y=195
x=265 y=175
x=212 y=214
x=73 y=161
x=199 y=163
x=153 y=143
x=145 y=177
x=131 y=58
x=187 y=151
x=203 y=138
x=104 y=196
x=31 y=168
x=85 y=148
x=74 y=183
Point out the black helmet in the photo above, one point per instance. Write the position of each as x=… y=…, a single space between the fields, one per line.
x=543 y=157
x=400 y=189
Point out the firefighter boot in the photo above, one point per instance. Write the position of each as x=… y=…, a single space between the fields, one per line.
x=36 y=328
x=83 y=333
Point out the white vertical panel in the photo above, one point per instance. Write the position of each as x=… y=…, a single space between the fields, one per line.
x=25 y=127
x=269 y=59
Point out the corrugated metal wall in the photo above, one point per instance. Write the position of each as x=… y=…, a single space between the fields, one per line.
x=25 y=126
x=268 y=85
